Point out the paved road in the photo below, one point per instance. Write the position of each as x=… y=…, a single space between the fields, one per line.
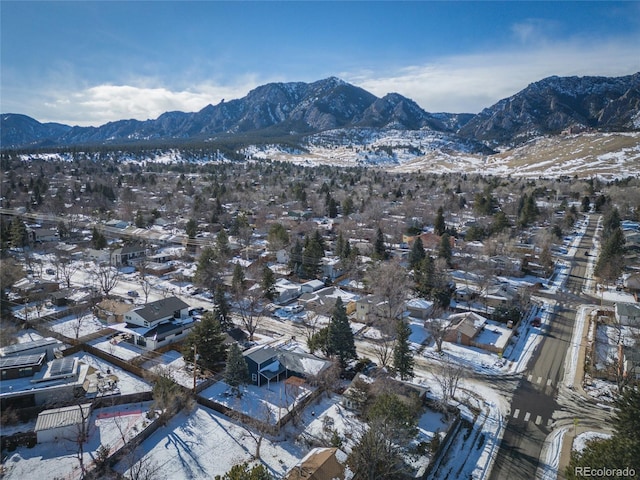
x=536 y=401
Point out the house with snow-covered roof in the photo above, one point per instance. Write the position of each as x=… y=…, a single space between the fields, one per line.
x=157 y=324
x=267 y=364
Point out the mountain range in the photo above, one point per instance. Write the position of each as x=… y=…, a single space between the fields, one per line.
x=298 y=110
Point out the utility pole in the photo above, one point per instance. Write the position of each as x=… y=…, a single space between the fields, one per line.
x=195 y=365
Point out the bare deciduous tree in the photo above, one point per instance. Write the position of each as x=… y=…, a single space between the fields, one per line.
x=448 y=375
x=107 y=277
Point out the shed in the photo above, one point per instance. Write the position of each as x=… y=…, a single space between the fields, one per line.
x=62 y=423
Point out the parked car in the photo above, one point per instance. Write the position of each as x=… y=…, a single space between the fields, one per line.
x=536 y=322
x=132 y=293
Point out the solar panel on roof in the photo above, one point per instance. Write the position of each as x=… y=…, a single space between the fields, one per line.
x=12 y=362
x=62 y=366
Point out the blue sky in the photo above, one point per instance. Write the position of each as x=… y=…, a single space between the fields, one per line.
x=87 y=63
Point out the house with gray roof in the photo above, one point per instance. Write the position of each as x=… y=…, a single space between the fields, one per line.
x=267 y=364
x=157 y=324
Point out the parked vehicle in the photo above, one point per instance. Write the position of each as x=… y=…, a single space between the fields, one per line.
x=132 y=293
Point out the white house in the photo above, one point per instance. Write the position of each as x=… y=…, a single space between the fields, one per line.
x=155 y=313
x=158 y=323
x=628 y=314
x=287 y=290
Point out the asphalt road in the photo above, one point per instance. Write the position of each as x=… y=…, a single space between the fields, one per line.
x=536 y=401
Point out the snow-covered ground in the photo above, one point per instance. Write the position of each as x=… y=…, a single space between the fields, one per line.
x=106 y=426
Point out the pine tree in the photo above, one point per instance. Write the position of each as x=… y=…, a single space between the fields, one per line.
x=332 y=208
x=439 y=226
x=236 y=373
x=268 y=283
x=379 y=249
x=417 y=254
x=340 y=339
x=444 y=251
x=237 y=281
x=98 y=240
x=402 y=354
x=19 y=235
x=221 y=310
x=295 y=259
x=208 y=338
x=222 y=244
x=191 y=228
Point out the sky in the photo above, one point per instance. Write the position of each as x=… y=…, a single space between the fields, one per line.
x=89 y=62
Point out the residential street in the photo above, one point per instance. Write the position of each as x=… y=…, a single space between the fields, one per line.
x=542 y=403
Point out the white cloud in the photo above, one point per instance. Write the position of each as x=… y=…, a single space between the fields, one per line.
x=104 y=103
x=469 y=83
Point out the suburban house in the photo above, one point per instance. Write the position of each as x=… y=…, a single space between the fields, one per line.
x=464 y=327
x=157 y=324
x=419 y=308
x=34 y=289
x=62 y=423
x=20 y=366
x=286 y=290
x=127 y=255
x=628 y=314
x=632 y=282
x=325 y=299
x=266 y=364
x=368 y=308
x=61 y=380
x=38 y=235
x=498 y=295
x=48 y=346
x=320 y=464
x=331 y=267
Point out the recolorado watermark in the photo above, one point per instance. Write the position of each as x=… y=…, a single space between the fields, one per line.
x=605 y=472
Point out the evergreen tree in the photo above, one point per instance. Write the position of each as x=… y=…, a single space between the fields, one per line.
x=319 y=341
x=347 y=206
x=222 y=244
x=340 y=336
x=237 y=281
x=444 y=251
x=622 y=450
x=295 y=259
x=500 y=223
x=332 y=208
x=243 y=472
x=339 y=245
x=236 y=372
x=208 y=338
x=139 y=221
x=417 y=254
x=19 y=234
x=379 y=249
x=207 y=269
x=221 y=310
x=98 y=240
x=610 y=222
x=312 y=254
x=191 y=228
x=268 y=283
x=402 y=354
x=439 y=226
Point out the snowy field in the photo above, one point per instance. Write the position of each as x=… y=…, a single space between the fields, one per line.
x=72 y=327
